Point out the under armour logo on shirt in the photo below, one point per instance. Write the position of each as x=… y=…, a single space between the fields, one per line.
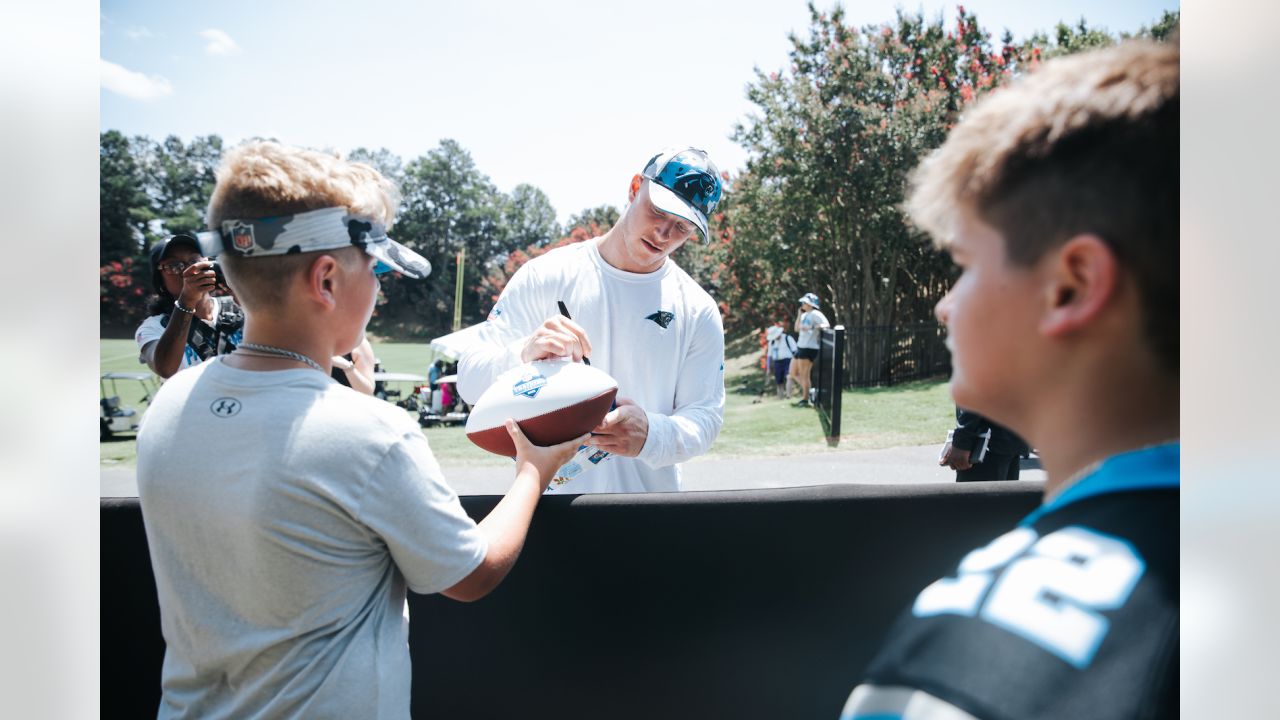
x=225 y=407
x=662 y=317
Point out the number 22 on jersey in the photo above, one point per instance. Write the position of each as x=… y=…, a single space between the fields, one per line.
x=1050 y=590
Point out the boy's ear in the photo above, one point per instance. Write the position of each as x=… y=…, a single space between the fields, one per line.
x=1082 y=280
x=321 y=278
x=636 y=182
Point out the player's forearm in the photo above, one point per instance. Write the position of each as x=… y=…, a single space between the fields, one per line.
x=681 y=436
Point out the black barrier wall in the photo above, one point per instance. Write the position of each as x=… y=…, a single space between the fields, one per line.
x=743 y=604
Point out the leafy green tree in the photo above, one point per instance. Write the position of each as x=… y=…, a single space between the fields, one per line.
x=601 y=217
x=499 y=272
x=831 y=144
x=529 y=217
x=122 y=203
x=1164 y=28
x=448 y=205
x=1069 y=39
x=382 y=160
x=178 y=179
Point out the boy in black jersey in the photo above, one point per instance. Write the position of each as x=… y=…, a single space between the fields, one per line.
x=1058 y=199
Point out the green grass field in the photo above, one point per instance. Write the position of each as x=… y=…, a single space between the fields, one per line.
x=911 y=414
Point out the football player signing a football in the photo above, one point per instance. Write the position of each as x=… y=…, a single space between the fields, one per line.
x=637 y=316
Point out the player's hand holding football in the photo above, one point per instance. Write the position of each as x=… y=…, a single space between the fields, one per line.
x=623 y=431
x=557 y=337
x=542 y=460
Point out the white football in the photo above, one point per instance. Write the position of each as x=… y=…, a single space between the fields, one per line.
x=551 y=400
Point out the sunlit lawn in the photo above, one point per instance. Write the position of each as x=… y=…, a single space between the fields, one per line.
x=911 y=414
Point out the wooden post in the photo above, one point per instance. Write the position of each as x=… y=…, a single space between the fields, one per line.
x=457 y=291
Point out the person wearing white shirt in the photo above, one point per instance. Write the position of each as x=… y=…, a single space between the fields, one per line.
x=809 y=324
x=782 y=347
x=635 y=315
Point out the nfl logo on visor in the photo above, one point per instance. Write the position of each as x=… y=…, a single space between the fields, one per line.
x=529 y=387
x=242 y=237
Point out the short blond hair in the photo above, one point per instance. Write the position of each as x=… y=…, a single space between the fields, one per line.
x=266 y=179
x=1086 y=144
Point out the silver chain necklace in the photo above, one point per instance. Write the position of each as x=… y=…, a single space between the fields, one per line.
x=280 y=352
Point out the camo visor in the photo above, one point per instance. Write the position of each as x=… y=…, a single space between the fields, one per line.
x=324 y=229
x=685 y=183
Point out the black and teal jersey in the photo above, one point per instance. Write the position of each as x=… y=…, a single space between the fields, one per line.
x=1072 y=614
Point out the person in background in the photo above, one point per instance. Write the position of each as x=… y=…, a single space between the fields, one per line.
x=187 y=324
x=636 y=315
x=809 y=324
x=447 y=397
x=434 y=374
x=782 y=347
x=978 y=449
x=355 y=369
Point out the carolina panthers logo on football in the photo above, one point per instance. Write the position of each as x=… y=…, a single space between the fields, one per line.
x=662 y=317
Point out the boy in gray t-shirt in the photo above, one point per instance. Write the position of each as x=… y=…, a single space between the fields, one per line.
x=288 y=515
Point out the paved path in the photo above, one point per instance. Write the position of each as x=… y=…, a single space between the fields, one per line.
x=915 y=464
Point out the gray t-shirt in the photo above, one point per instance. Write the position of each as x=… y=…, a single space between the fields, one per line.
x=811 y=324
x=286 y=514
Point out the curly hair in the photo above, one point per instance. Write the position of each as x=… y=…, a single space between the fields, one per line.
x=1086 y=144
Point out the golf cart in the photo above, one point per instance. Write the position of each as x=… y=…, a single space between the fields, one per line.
x=385 y=387
x=434 y=413
x=116 y=418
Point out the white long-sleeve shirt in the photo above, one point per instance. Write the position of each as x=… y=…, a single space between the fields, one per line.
x=658 y=334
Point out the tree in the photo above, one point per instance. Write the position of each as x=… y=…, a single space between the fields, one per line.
x=382 y=160
x=123 y=287
x=831 y=144
x=448 y=205
x=529 y=217
x=1164 y=28
x=122 y=204
x=499 y=273
x=178 y=179
x=602 y=217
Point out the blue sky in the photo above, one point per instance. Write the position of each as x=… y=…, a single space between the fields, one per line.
x=568 y=95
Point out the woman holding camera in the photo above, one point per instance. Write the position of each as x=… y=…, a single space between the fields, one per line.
x=187 y=324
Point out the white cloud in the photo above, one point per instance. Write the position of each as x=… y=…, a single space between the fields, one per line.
x=220 y=43
x=137 y=32
x=132 y=84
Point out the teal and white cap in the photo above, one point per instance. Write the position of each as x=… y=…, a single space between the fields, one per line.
x=324 y=229
x=685 y=183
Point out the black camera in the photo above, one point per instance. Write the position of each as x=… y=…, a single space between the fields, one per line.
x=219 y=279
